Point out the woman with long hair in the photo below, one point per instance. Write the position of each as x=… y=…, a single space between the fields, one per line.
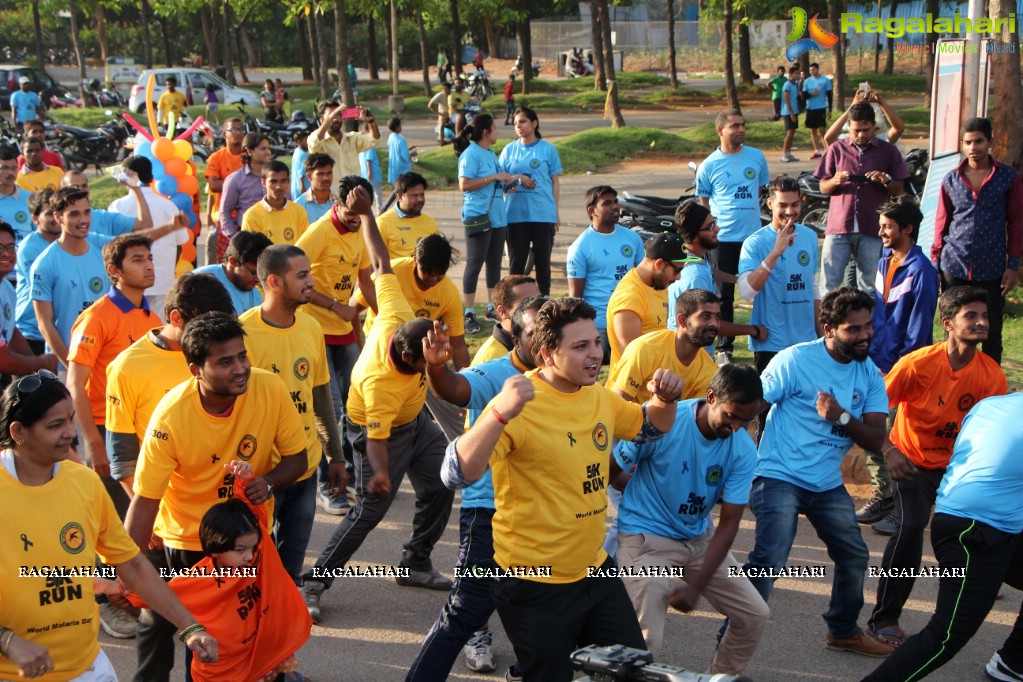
x=243 y=188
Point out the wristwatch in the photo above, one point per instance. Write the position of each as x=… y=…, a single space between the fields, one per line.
x=844 y=419
x=270 y=486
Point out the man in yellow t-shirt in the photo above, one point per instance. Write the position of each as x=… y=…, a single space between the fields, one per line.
x=405 y=224
x=639 y=303
x=172 y=101
x=547 y=438
x=281 y=220
x=284 y=340
x=36 y=175
x=509 y=294
x=393 y=435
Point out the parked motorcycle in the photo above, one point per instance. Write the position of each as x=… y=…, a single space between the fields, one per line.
x=918 y=161
x=103 y=146
x=477 y=84
x=282 y=140
x=98 y=96
x=517 y=69
x=648 y=215
x=815 y=202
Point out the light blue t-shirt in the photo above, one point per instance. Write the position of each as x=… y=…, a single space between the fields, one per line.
x=820 y=100
x=486 y=381
x=25 y=316
x=793 y=98
x=14 y=210
x=785 y=304
x=732 y=183
x=299 y=182
x=680 y=477
x=984 y=479
x=601 y=260
x=474 y=163
x=369 y=159
x=540 y=161
x=314 y=210
x=242 y=300
x=398 y=159
x=8 y=308
x=25 y=104
x=111 y=223
x=693 y=276
x=799 y=446
x=70 y=283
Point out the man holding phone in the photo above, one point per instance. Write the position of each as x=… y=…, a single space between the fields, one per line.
x=860 y=172
x=338 y=135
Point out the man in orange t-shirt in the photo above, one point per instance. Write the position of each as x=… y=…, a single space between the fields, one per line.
x=934 y=388
x=222 y=163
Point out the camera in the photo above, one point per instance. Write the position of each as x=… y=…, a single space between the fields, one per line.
x=617 y=662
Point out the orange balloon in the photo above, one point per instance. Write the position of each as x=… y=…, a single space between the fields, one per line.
x=175 y=168
x=182 y=149
x=188 y=252
x=188 y=184
x=163 y=149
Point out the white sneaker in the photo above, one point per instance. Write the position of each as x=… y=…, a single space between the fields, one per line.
x=788 y=158
x=996 y=669
x=479 y=654
x=117 y=622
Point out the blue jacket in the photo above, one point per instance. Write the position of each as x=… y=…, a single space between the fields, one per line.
x=905 y=321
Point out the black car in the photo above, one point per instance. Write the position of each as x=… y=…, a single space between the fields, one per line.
x=41 y=83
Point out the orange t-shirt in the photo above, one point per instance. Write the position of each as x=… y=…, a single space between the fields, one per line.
x=100 y=333
x=221 y=164
x=933 y=400
x=258 y=621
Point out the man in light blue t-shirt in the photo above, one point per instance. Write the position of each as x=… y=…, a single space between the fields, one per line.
x=827 y=395
x=601 y=256
x=238 y=271
x=817 y=90
x=25 y=104
x=728 y=182
x=790 y=112
x=663 y=518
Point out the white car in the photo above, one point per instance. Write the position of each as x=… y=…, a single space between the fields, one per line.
x=193 y=83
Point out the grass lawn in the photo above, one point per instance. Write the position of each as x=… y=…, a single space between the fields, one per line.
x=759 y=134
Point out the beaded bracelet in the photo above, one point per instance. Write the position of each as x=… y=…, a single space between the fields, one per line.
x=191 y=630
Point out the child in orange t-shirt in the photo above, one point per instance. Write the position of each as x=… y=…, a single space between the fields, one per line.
x=241 y=593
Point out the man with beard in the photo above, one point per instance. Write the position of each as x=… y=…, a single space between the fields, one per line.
x=827 y=394
x=639 y=303
x=778 y=272
x=405 y=224
x=728 y=183
x=288 y=342
x=343 y=147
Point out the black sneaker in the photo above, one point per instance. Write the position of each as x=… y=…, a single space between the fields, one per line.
x=874 y=510
x=996 y=669
x=471 y=325
x=491 y=313
x=889 y=525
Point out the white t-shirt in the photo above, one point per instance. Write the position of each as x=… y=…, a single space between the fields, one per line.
x=165 y=253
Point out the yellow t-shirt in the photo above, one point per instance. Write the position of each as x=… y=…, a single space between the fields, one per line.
x=491 y=349
x=381 y=396
x=656 y=349
x=633 y=295
x=171 y=102
x=281 y=226
x=137 y=380
x=185 y=449
x=47 y=178
x=64 y=522
x=336 y=261
x=401 y=234
x=298 y=356
x=550 y=469
x=441 y=302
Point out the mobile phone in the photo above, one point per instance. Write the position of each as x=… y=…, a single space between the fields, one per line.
x=352 y=112
x=864 y=87
x=857 y=178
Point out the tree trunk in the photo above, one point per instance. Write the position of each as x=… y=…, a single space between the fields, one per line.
x=326 y=88
x=834 y=13
x=239 y=48
x=303 y=48
x=253 y=56
x=209 y=30
x=672 y=66
x=388 y=42
x=612 y=109
x=599 y=76
x=1005 y=71
x=226 y=35
x=373 y=59
x=526 y=50
x=456 y=38
x=101 y=33
x=147 y=48
x=37 y=26
x=73 y=10
x=314 y=50
x=731 y=93
x=341 y=51
x=168 y=58
x=746 y=74
x=395 y=62
x=491 y=34
x=934 y=7
x=424 y=54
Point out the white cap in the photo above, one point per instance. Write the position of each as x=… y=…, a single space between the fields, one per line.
x=23 y=80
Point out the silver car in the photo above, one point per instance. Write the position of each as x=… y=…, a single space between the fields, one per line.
x=192 y=82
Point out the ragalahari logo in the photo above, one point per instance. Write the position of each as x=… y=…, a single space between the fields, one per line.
x=819 y=37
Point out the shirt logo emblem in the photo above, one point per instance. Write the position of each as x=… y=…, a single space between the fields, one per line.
x=804 y=258
x=714 y=474
x=72 y=537
x=289 y=233
x=95 y=285
x=966 y=401
x=749 y=173
x=20 y=217
x=857 y=397
x=626 y=250
x=600 y=439
x=247 y=447
x=301 y=368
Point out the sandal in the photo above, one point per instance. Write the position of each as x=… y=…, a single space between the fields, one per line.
x=893 y=636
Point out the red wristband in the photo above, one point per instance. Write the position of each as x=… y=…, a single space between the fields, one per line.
x=498 y=417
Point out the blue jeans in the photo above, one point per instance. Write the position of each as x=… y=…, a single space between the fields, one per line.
x=469 y=604
x=835 y=256
x=777 y=506
x=340 y=361
x=294 y=509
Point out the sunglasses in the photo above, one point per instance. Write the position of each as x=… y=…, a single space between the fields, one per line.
x=31 y=383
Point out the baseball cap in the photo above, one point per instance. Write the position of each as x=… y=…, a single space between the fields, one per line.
x=668 y=246
x=23 y=80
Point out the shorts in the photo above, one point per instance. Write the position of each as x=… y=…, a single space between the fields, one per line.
x=815 y=118
x=213 y=107
x=790 y=124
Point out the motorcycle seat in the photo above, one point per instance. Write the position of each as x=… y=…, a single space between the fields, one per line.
x=83 y=133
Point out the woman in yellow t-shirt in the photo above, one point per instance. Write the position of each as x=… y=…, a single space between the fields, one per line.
x=58 y=517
